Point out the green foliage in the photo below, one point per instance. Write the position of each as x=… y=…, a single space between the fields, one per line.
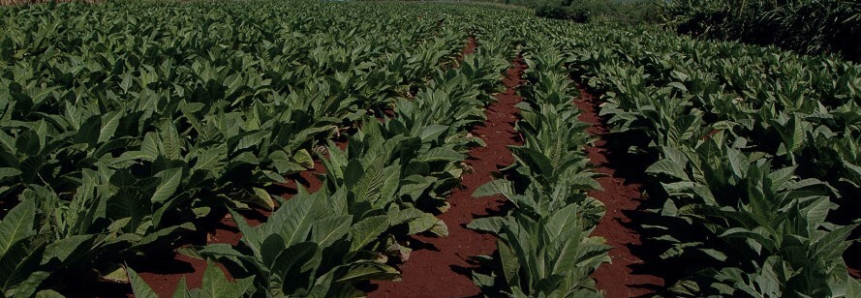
x=120 y=132
x=807 y=26
x=545 y=248
x=609 y=12
x=122 y=124
x=548 y=257
x=215 y=285
x=307 y=248
x=748 y=147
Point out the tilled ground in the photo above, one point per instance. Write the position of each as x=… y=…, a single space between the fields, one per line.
x=441 y=269
x=621 y=197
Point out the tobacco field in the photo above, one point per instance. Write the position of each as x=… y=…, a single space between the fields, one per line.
x=315 y=149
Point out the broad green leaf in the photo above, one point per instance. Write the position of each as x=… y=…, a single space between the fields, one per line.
x=535 y=160
x=298 y=215
x=263 y=198
x=284 y=164
x=509 y=261
x=150 y=146
x=288 y=268
x=110 y=122
x=21 y=262
x=49 y=294
x=216 y=285
x=9 y=172
x=487 y=224
x=170 y=181
x=668 y=167
x=327 y=231
x=171 y=144
x=181 y=289
x=139 y=286
x=17 y=224
x=303 y=158
x=441 y=154
x=368 y=270
x=368 y=230
x=354 y=172
x=494 y=187
x=67 y=248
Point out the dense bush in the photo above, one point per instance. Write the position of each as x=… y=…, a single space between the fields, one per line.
x=551 y=11
x=602 y=11
x=806 y=26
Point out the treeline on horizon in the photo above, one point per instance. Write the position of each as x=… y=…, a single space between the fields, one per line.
x=806 y=26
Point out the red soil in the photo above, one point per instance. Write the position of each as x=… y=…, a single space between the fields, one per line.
x=470 y=47
x=443 y=270
x=618 y=279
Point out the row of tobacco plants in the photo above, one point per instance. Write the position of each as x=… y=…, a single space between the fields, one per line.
x=544 y=243
x=128 y=125
x=755 y=165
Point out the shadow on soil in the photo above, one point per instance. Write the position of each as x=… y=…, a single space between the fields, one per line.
x=845 y=215
x=95 y=289
x=481 y=268
x=631 y=166
x=630 y=163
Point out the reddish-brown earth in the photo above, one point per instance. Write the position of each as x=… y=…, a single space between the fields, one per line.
x=470 y=47
x=620 y=197
x=442 y=270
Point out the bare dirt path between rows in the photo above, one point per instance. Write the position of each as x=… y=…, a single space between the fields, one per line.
x=441 y=268
x=621 y=197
